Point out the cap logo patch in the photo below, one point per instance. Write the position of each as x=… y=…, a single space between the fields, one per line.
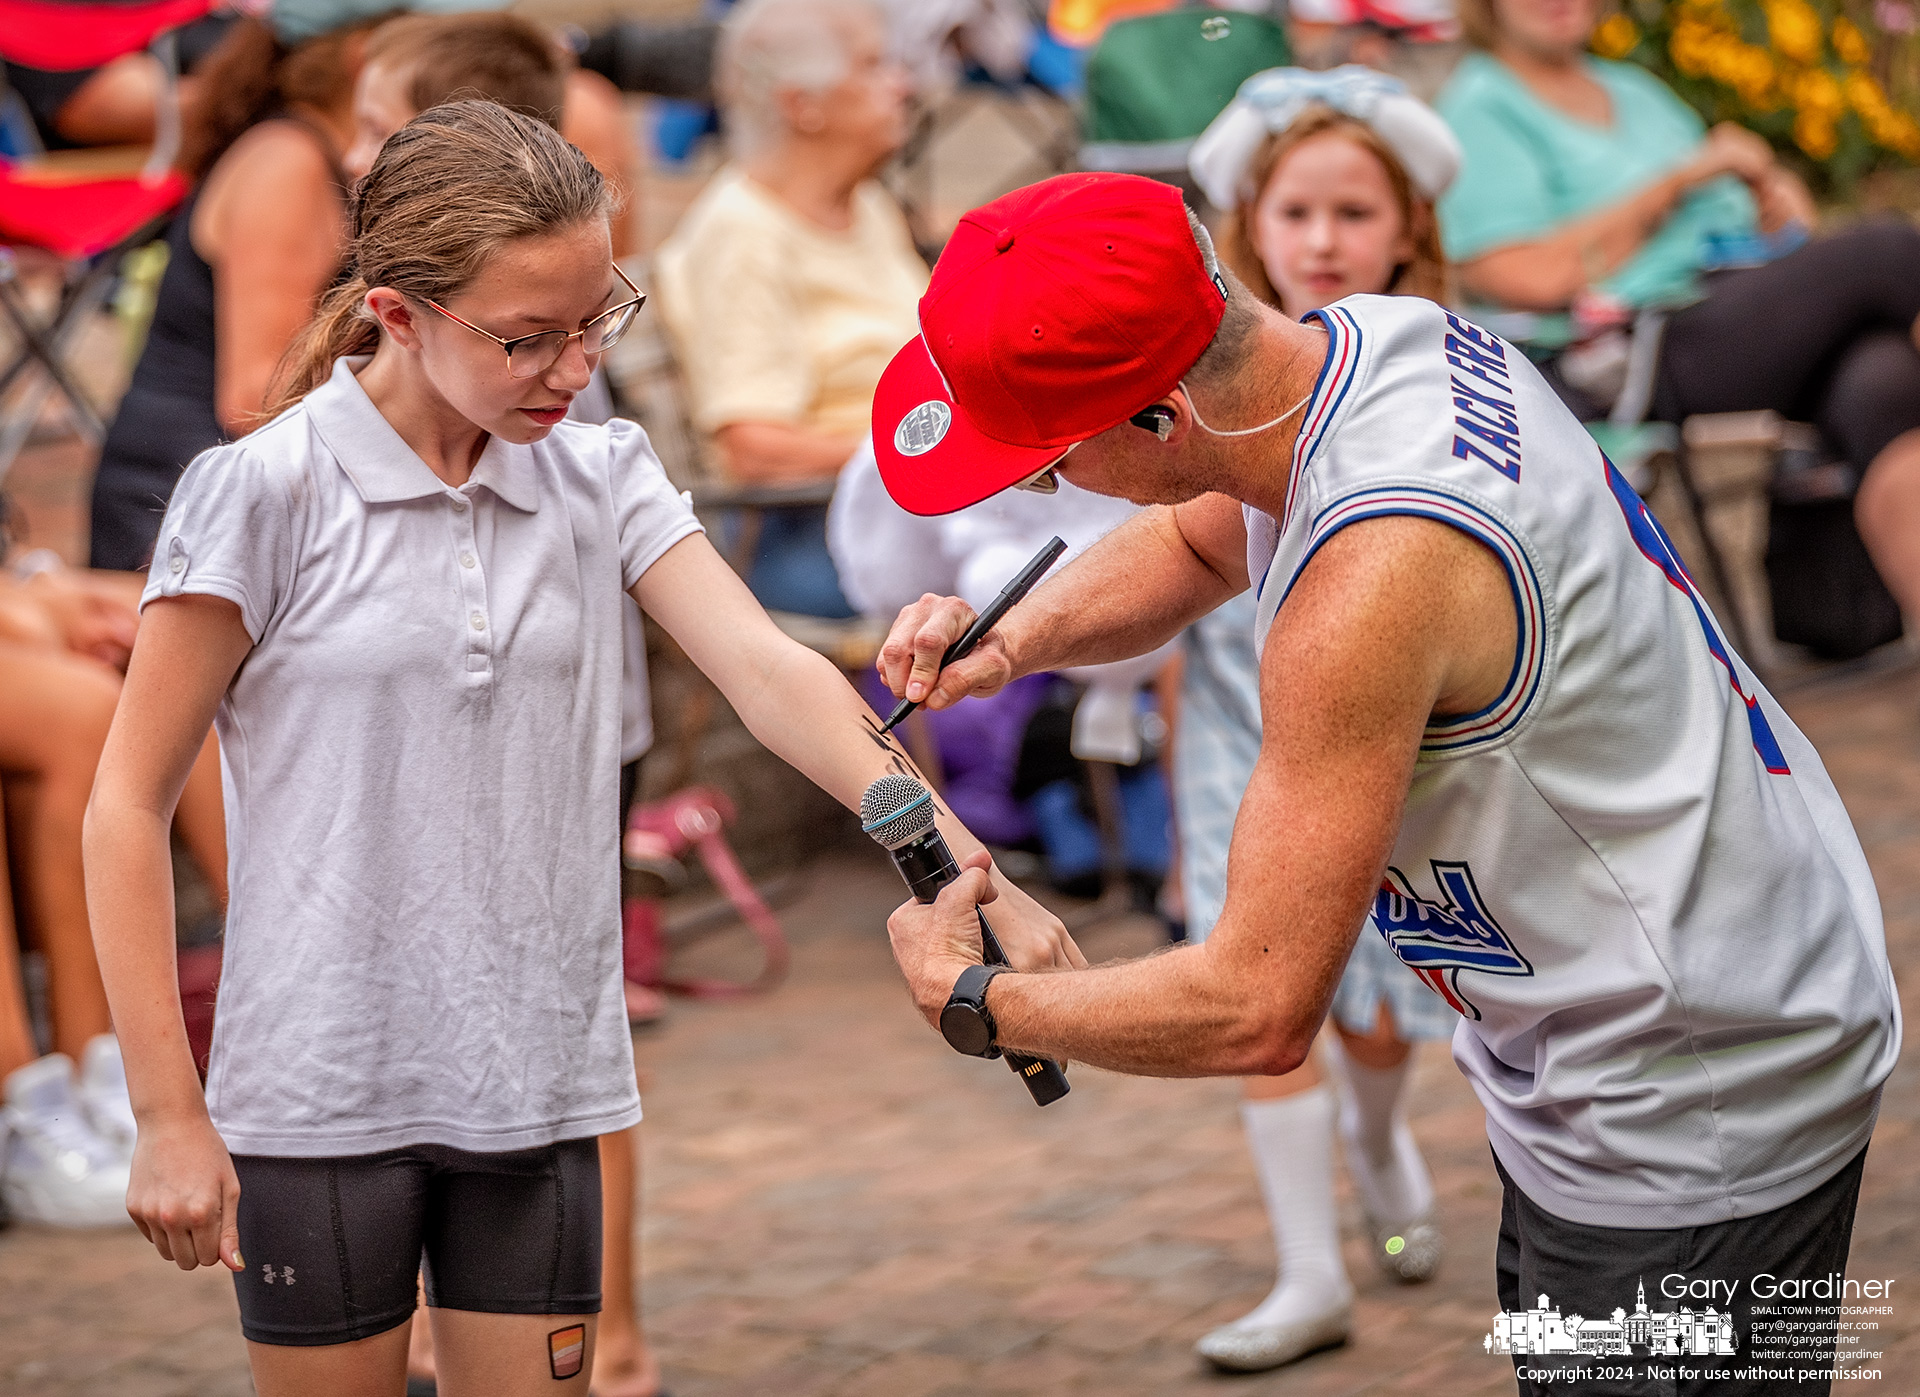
x=922 y=429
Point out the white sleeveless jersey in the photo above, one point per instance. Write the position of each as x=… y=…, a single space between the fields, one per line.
x=1630 y=874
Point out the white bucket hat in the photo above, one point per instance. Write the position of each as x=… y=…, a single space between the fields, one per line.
x=1270 y=102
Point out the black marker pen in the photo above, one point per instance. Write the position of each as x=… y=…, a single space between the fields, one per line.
x=1022 y=584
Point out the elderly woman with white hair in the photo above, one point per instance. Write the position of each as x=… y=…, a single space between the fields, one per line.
x=793 y=280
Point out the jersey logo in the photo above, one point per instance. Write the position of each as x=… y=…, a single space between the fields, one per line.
x=1437 y=940
x=1487 y=425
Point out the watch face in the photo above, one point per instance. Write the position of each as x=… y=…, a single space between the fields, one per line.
x=965 y=1030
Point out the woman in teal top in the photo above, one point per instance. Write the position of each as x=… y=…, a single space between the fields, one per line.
x=1548 y=199
x=1590 y=189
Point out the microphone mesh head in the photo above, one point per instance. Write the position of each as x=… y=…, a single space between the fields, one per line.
x=896 y=810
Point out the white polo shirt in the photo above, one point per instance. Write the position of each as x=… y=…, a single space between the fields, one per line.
x=421 y=759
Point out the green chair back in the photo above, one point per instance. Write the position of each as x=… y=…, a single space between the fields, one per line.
x=1154 y=82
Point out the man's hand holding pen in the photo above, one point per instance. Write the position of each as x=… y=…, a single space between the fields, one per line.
x=924 y=654
x=910 y=660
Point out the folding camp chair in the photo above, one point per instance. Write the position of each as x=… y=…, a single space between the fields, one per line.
x=82 y=223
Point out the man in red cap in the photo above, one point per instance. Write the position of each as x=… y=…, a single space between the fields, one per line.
x=1501 y=730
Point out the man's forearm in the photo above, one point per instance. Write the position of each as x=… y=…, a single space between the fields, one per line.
x=1177 y=1014
x=1132 y=591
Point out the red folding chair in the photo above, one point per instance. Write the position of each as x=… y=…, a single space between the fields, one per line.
x=83 y=223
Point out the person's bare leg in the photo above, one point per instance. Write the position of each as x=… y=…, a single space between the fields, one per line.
x=123 y=587
x=1382 y=1049
x=116 y=105
x=375 y=1367
x=16 y=1032
x=54 y=713
x=420 y=1343
x=1887 y=511
x=1305 y=1077
x=481 y=1355
x=623 y=1364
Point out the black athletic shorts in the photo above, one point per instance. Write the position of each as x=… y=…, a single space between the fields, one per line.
x=332 y=1246
x=1745 y=1308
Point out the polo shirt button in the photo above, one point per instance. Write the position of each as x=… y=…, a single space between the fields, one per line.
x=466 y=560
x=459 y=506
x=176 y=563
x=479 y=622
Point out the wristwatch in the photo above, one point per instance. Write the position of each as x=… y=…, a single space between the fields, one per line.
x=965 y=1022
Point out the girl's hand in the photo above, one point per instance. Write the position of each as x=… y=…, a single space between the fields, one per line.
x=184 y=1196
x=1032 y=937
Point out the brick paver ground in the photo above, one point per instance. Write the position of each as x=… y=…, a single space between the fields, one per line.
x=837 y=1204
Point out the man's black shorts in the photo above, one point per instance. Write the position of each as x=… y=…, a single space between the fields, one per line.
x=332 y=1246
x=1736 y=1269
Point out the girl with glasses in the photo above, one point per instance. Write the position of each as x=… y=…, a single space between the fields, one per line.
x=400 y=602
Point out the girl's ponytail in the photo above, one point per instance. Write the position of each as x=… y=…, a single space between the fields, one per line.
x=340 y=326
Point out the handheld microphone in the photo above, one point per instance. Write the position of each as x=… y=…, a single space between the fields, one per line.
x=897 y=811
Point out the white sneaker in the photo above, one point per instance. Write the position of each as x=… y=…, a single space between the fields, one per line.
x=56 y=1169
x=103 y=1094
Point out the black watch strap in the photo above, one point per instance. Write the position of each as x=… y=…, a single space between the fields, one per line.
x=966 y=1023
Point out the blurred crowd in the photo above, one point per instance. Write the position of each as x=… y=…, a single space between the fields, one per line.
x=1476 y=152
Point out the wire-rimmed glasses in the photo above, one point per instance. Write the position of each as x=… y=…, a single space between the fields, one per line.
x=528 y=355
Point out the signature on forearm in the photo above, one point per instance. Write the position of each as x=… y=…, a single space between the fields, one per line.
x=898 y=762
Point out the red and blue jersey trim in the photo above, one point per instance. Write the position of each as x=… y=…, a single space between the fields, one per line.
x=1337 y=374
x=1467 y=732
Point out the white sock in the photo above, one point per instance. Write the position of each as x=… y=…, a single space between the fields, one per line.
x=1292 y=1143
x=1388 y=1172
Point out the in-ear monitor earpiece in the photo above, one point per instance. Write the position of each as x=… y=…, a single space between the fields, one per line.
x=1156 y=419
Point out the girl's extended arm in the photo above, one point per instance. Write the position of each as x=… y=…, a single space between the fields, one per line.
x=1131 y=592
x=803 y=710
x=184 y=1189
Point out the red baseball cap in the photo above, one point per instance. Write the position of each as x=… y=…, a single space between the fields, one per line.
x=1055 y=312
